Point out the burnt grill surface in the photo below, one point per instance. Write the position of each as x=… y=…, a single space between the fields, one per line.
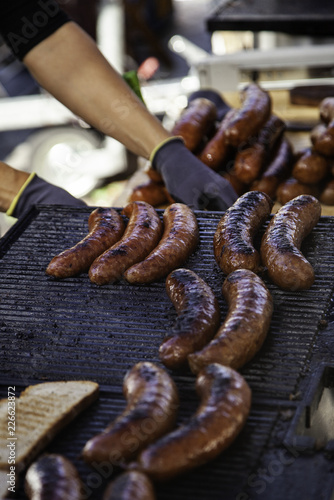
x=72 y=329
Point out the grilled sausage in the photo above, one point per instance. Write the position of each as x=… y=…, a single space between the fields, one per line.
x=327 y=194
x=217 y=149
x=310 y=168
x=106 y=227
x=233 y=239
x=152 y=403
x=280 y=246
x=277 y=169
x=326 y=109
x=221 y=415
x=178 y=242
x=198 y=317
x=142 y=234
x=322 y=138
x=254 y=112
x=130 y=485
x=250 y=161
x=291 y=188
x=195 y=122
x=53 y=477
x=250 y=308
x=151 y=192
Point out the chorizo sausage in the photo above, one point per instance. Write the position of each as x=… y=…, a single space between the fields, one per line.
x=250 y=308
x=291 y=188
x=327 y=194
x=252 y=115
x=326 y=109
x=280 y=251
x=53 y=477
x=250 y=161
x=106 y=227
x=195 y=122
x=130 y=485
x=141 y=235
x=198 y=317
x=178 y=242
x=224 y=407
x=151 y=192
x=322 y=138
x=233 y=239
x=310 y=168
x=152 y=403
x=217 y=149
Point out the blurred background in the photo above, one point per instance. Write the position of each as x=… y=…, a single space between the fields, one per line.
x=175 y=47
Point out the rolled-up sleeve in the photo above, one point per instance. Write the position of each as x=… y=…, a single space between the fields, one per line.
x=25 y=23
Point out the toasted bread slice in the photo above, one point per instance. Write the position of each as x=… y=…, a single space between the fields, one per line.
x=41 y=411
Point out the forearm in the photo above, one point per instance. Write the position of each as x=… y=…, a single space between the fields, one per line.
x=11 y=182
x=69 y=66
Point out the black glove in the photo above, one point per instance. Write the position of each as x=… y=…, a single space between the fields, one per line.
x=222 y=107
x=188 y=180
x=36 y=190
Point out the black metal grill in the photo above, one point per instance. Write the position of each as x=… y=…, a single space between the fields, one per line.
x=72 y=329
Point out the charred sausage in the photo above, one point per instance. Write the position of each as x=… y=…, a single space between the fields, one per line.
x=151 y=192
x=225 y=403
x=178 y=242
x=130 y=485
x=291 y=188
x=250 y=308
x=326 y=109
x=310 y=168
x=233 y=239
x=152 y=403
x=217 y=149
x=142 y=234
x=278 y=168
x=250 y=161
x=195 y=122
x=53 y=477
x=106 y=227
x=280 y=247
x=198 y=317
x=252 y=115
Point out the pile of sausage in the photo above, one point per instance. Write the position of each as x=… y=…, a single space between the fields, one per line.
x=142 y=251
x=249 y=147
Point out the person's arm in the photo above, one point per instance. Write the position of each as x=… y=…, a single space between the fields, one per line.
x=69 y=65
x=11 y=182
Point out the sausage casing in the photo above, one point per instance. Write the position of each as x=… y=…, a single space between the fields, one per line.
x=178 y=242
x=280 y=247
x=106 y=227
x=198 y=317
x=142 y=234
x=326 y=109
x=130 y=485
x=278 y=168
x=151 y=192
x=195 y=122
x=217 y=148
x=53 y=477
x=233 y=238
x=224 y=407
x=152 y=403
x=310 y=168
x=291 y=188
x=250 y=308
x=252 y=115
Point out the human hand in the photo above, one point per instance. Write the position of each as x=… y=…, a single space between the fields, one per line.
x=188 y=180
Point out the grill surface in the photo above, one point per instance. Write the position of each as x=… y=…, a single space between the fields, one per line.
x=72 y=329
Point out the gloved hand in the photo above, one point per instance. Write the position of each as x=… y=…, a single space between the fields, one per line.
x=36 y=190
x=188 y=180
